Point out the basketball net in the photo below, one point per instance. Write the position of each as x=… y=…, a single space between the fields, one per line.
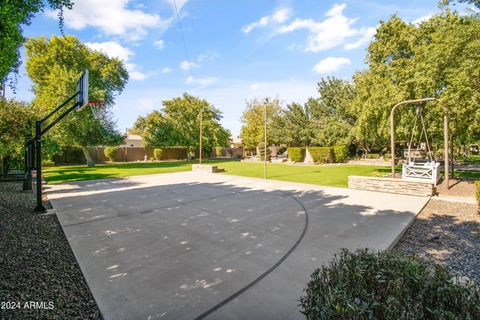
x=95 y=106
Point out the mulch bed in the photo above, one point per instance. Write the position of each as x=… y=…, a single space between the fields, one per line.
x=447 y=233
x=37 y=264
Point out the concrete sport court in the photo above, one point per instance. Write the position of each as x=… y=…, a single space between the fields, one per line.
x=213 y=246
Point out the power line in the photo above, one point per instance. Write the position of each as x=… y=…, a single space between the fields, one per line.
x=183 y=36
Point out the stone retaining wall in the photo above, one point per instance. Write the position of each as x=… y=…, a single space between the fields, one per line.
x=390 y=185
x=205 y=168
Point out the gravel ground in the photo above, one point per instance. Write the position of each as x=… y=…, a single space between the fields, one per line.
x=447 y=233
x=37 y=264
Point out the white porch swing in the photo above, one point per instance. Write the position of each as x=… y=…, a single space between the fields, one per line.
x=414 y=170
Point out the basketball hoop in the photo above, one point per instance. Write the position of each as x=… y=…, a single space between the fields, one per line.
x=95 y=106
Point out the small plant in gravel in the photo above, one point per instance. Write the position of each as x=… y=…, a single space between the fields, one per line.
x=386 y=285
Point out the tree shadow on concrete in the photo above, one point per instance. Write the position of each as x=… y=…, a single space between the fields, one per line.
x=184 y=247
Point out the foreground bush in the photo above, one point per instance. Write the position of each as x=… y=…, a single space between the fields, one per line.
x=322 y=154
x=385 y=285
x=296 y=154
x=110 y=153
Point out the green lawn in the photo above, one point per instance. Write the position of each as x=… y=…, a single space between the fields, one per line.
x=322 y=175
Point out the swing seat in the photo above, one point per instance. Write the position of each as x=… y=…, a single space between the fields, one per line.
x=426 y=172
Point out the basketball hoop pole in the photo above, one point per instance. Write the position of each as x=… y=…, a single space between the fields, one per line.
x=82 y=89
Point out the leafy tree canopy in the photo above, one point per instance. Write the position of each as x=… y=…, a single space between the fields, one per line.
x=178 y=124
x=16 y=122
x=54 y=65
x=440 y=57
x=475 y=3
x=253 y=122
x=13 y=15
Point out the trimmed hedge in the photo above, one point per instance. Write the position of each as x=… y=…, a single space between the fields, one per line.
x=386 y=285
x=322 y=154
x=372 y=156
x=341 y=153
x=296 y=154
x=217 y=152
x=110 y=153
x=171 y=153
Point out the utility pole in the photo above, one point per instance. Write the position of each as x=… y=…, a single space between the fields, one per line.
x=201 y=134
x=265 y=142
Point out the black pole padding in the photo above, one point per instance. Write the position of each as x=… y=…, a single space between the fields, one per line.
x=38 y=141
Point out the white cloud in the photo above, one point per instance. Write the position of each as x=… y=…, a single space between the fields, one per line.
x=330 y=65
x=116 y=50
x=188 y=65
x=166 y=70
x=279 y=16
x=202 y=82
x=331 y=32
x=258 y=86
x=423 y=18
x=159 y=44
x=368 y=34
x=209 y=55
x=111 y=49
x=112 y=17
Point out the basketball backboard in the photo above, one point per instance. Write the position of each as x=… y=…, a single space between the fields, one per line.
x=82 y=89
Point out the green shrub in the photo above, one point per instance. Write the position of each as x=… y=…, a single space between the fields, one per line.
x=385 y=285
x=47 y=163
x=296 y=154
x=322 y=154
x=372 y=156
x=157 y=154
x=110 y=153
x=218 y=152
x=170 y=153
x=341 y=153
x=261 y=152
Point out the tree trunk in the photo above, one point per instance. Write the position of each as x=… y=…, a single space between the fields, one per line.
x=88 y=156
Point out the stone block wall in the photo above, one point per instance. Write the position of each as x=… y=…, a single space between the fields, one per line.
x=390 y=185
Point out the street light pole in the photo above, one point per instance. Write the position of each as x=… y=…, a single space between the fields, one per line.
x=201 y=134
x=265 y=142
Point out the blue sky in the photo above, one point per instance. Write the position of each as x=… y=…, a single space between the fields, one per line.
x=237 y=50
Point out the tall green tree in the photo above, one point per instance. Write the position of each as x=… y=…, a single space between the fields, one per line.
x=294 y=126
x=16 y=122
x=331 y=113
x=475 y=3
x=253 y=122
x=54 y=65
x=178 y=124
x=441 y=57
x=15 y=14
